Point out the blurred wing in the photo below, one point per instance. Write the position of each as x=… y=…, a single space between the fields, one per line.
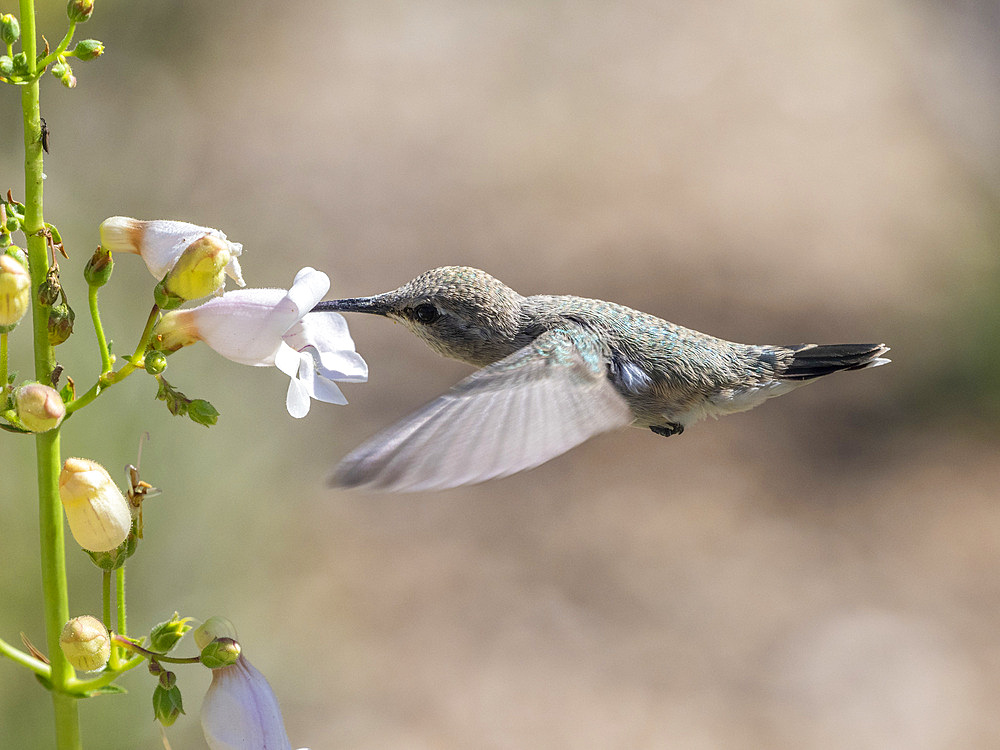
x=512 y=415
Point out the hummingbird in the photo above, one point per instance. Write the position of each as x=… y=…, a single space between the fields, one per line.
x=554 y=371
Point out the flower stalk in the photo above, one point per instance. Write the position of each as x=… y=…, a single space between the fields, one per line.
x=47 y=451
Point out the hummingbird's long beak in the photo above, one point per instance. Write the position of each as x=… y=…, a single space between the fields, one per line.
x=375 y=305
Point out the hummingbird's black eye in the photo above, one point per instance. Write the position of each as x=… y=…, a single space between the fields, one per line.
x=426 y=313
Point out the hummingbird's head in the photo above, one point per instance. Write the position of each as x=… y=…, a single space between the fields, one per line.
x=461 y=312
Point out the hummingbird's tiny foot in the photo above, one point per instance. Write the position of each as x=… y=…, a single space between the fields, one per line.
x=670 y=428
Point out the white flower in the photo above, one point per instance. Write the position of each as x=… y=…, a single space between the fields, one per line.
x=265 y=327
x=240 y=711
x=161 y=243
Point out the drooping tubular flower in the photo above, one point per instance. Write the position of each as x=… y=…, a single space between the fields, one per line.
x=265 y=327
x=192 y=260
x=240 y=711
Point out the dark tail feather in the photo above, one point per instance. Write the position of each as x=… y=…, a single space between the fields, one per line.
x=813 y=360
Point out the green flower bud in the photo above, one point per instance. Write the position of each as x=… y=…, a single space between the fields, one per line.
x=39 y=407
x=155 y=362
x=86 y=643
x=163 y=637
x=221 y=652
x=60 y=324
x=10 y=29
x=20 y=64
x=202 y=412
x=167 y=679
x=79 y=10
x=12 y=224
x=15 y=291
x=99 y=516
x=6 y=66
x=99 y=267
x=167 y=705
x=88 y=49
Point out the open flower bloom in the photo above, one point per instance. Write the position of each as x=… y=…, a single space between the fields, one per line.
x=265 y=327
x=240 y=711
x=161 y=243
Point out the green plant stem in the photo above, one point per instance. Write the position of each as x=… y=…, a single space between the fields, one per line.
x=47 y=452
x=102 y=342
x=60 y=49
x=3 y=361
x=108 y=378
x=106 y=598
x=27 y=660
x=136 y=648
x=120 y=599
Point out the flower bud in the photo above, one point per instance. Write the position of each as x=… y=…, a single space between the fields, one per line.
x=88 y=49
x=20 y=64
x=167 y=705
x=161 y=244
x=222 y=652
x=98 y=270
x=79 y=10
x=10 y=28
x=15 y=292
x=39 y=407
x=86 y=643
x=163 y=637
x=60 y=323
x=98 y=513
x=6 y=66
x=155 y=362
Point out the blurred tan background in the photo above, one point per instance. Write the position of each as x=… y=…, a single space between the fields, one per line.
x=819 y=573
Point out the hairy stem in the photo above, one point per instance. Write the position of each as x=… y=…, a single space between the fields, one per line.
x=47 y=452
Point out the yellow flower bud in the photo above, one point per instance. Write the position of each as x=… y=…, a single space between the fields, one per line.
x=98 y=513
x=86 y=643
x=39 y=407
x=15 y=291
x=201 y=269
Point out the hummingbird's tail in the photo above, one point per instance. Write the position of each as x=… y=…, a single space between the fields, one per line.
x=814 y=360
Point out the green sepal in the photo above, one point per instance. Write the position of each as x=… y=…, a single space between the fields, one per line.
x=115 y=558
x=221 y=652
x=164 y=636
x=202 y=412
x=164 y=299
x=98 y=270
x=167 y=704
